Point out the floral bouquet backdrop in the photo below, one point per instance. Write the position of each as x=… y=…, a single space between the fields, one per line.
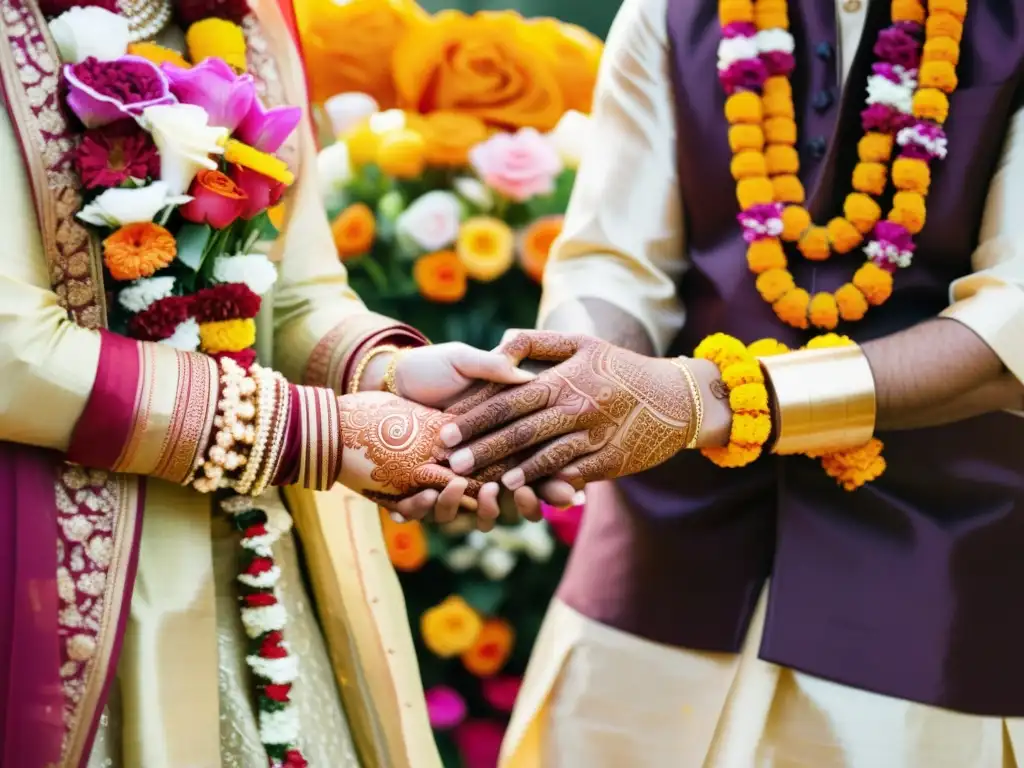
x=450 y=149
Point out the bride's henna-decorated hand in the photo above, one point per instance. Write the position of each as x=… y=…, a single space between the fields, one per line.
x=601 y=412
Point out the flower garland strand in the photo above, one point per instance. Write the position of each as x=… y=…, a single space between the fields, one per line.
x=907 y=104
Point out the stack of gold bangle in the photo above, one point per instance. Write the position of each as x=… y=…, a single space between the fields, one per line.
x=357 y=375
x=698 y=403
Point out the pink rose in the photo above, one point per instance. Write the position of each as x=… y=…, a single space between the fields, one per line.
x=445 y=707
x=261 y=191
x=479 y=743
x=564 y=522
x=500 y=692
x=517 y=165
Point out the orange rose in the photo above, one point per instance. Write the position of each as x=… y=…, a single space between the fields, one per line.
x=354 y=230
x=487 y=65
x=441 y=277
x=491 y=649
x=348 y=46
x=450 y=136
x=536 y=244
x=575 y=56
x=406 y=543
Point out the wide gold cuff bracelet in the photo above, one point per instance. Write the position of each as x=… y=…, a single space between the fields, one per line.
x=823 y=399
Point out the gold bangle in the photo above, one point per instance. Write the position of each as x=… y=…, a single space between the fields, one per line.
x=390 y=381
x=698 y=401
x=357 y=376
x=824 y=399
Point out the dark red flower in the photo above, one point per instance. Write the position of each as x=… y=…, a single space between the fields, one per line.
x=259 y=565
x=255 y=530
x=228 y=301
x=262 y=192
x=277 y=692
x=245 y=357
x=191 y=11
x=259 y=600
x=294 y=759
x=271 y=647
x=159 y=320
x=54 y=8
x=109 y=156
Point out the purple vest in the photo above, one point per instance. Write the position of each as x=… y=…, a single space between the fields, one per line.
x=908 y=587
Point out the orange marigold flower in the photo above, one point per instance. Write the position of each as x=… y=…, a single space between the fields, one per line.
x=795 y=221
x=536 y=243
x=406 y=543
x=931 y=104
x=743 y=107
x=908 y=10
x=765 y=254
x=938 y=74
x=851 y=302
x=746 y=137
x=158 y=55
x=491 y=650
x=735 y=11
x=354 y=230
x=843 y=235
x=823 y=311
x=777 y=104
x=874 y=148
x=750 y=430
x=908 y=210
x=765 y=18
x=780 y=130
x=874 y=282
x=814 y=244
x=955 y=8
x=788 y=189
x=940 y=49
x=869 y=178
x=731 y=456
x=861 y=211
x=781 y=159
x=746 y=165
x=750 y=192
x=774 y=284
x=792 y=308
x=943 y=25
x=440 y=277
x=777 y=87
x=910 y=174
x=138 y=250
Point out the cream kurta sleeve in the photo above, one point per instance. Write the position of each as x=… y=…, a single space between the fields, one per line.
x=622 y=241
x=991 y=300
x=47 y=363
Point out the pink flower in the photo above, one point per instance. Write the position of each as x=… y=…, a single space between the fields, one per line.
x=103 y=92
x=109 y=156
x=214 y=86
x=261 y=192
x=564 y=522
x=517 y=165
x=479 y=742
x=445 y=707
x=216 y=200
x=500 y=692
x=267 y=129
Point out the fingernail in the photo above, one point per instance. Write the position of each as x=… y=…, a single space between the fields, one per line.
x=450 y=435
x=397 y=517
x=513 y=479
x=579 y=499
x=461 y=461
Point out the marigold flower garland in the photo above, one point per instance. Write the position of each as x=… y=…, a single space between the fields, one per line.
x=751 y=424
x=907 y=103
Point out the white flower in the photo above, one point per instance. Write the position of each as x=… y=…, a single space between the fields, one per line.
x=537 y=541
x=334 y=169
x=733 y=49
x=387 y=121
x=477 y=540
x=185 y=140
x=262 y=545
x=461 y=559
x=475 y=192
x=775 y=41
x=185 y=336
x=140 y=294
x=432 y=221
x=117 y=207
x=279 y=671
x=253 y=269
x=83 y=32
x=264 y=580
x=505 y=537
x=497 y=563
x=279 y=727
x=266 y=618
x=569 y=137
x=882 y=90
x=346 y=110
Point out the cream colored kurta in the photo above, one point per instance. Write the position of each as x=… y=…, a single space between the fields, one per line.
x=595 y=697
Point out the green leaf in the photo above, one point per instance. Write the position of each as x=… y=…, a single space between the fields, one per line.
x=437 y=543
x=484 y=596
x=192 y=241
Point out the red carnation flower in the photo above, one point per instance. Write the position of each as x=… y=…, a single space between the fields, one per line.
x=159 y=319
x=54 y=8
x=277 y=692
x=260 y=600
x=228 y=301
x=244 y=357
x=294 y=759
x=191 y=11
x=271 y=647
x=259 y=565
x=109 y=156
x=254 y=531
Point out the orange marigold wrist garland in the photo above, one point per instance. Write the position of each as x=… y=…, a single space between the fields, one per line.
x=907 y=102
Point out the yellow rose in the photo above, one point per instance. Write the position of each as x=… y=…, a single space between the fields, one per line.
x=402 y=154
x=450 y=136
x=575 y=56
x=485 y=65
x=362 y=143
x=348 y=46
x=485 y=247
x=451 y=627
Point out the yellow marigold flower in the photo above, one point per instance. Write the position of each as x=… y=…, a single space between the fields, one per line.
x=451 y=627
x=851 y=302
x=362 y=142
x=402 y=154
x=767 y=348
x=227 y=335
x=249 y=157
x=741 y=373
x=158 y=55
x=746 y=137
x=486 y=248
x=749 y=397
x=217 y=38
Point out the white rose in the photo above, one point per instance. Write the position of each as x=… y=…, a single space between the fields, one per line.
x=387 y=121
x=185 y=336
x=506 y=538
x=185 y=141
x=537 y=541
x=83 y=32
x=475 y=192
x=346 y=110
x=461 y=559
x=569 y=137
x=477 y=540
x=497 y=563
x=140 y=294
x=117 y=207
x=333 y=169
x=253 y=269
x=432 y=221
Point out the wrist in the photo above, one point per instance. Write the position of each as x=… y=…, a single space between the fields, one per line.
x=372 y=379
x=717 y=421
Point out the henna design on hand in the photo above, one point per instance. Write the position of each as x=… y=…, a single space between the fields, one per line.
x=602 y=411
